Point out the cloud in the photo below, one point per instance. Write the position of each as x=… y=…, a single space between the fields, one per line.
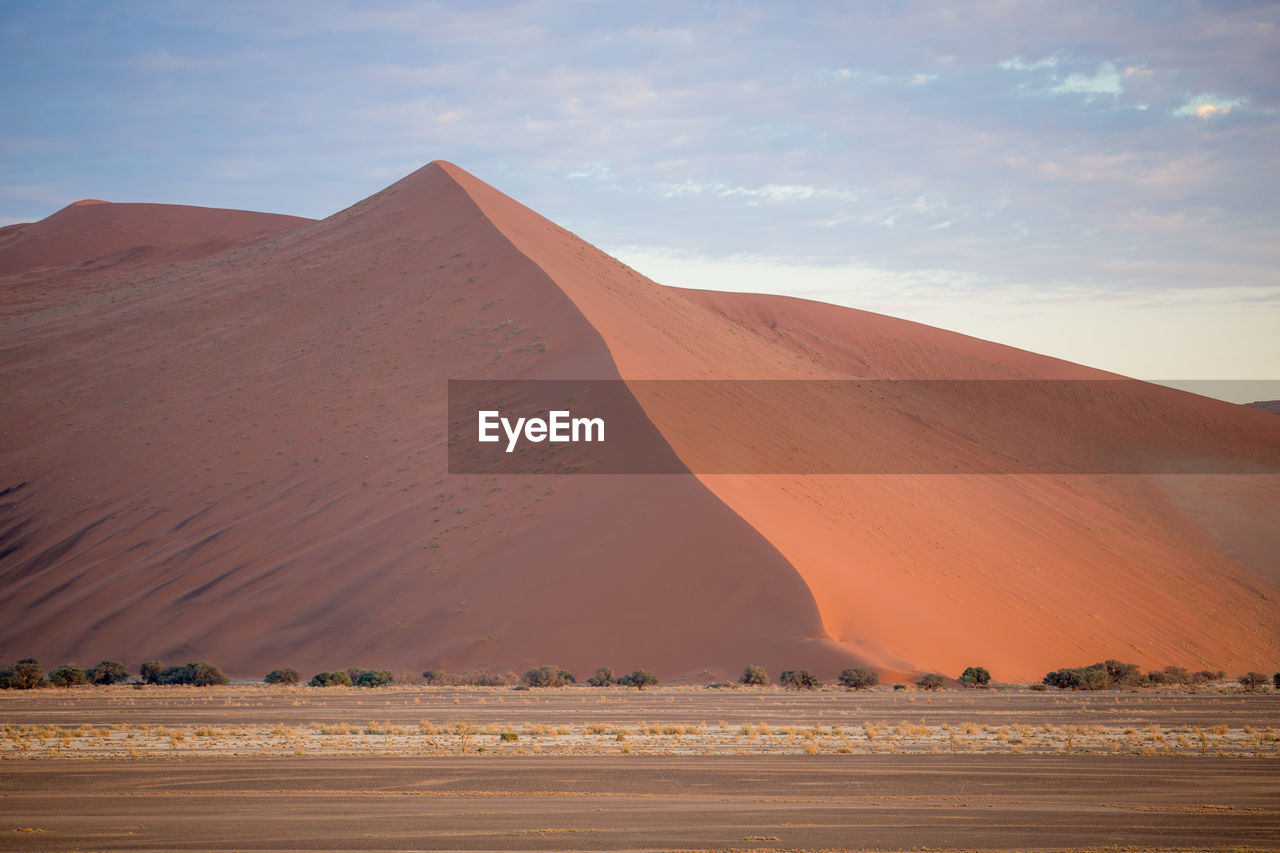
x=1207 y=106
x=1015 y=63
x=1105 y=81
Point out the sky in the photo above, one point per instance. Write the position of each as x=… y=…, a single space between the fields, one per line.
x=1097 y=182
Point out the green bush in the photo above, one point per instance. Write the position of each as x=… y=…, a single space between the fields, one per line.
x=339 y=678
x=1093 y=677
x=68 y=675
x=150 y=671
x=799 y=679
x=373 y=678
x=604 y=677
x=754 y=675
x=197 y=674
x=857 y=678
x=23 y=675
x=109 y=672
x=640 y=679
x=977 y=676
x=931 y=681
x=548 y=676
x=285 y=675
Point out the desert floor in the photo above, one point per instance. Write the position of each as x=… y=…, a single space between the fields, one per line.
x=256 y=768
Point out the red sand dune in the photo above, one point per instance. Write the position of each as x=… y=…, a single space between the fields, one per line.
x=231 y=445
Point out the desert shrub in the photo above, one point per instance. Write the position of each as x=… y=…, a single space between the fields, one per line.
x=373 y=678
x=433 y=676
x=754 y=675
x=285 y=675
x=150 y=671
x=899 y=687
x=1275 y=681
x=858 y=678
x=1156 y=677
x=1093 y=677
x=198 y=674
x=483 y=678
x=508 y=736
x=640 y=679
x=1177 y=675
x=353 y=672
x=1039 y=687
x=722 y=685
x=799 y=679
x=337 y=678
x=603 y=678
x=67 y=675
x=976 y=676
x=23 y=675
x=1127 y=674
x=1250 y=680
x=931 y=681
x=548 y=676
x=109 y=672
x=1206 y=675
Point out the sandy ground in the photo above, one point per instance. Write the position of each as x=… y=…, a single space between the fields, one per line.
x=642 y=803
x=256 y=768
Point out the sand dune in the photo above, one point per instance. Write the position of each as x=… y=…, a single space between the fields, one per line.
x=230 y=444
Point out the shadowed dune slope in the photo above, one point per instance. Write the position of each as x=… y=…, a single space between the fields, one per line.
x=240 y=455
x=241 y=458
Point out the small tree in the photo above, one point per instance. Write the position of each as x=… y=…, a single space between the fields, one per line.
x=931 y=681
x=548 y=676
x=109 y=672
x=858 y=678
x=754 y=676
x=67 y=675
x=285 y=675
x=1122 y=673
x=604 y=677
x=339 y=678
x=977 y=676
x=799 y=679
x=640 y=679
x=23 y=675
x=1275 y=681
x=433 y=676
x=1250 y=680
x=150 y=671
x=373 y=678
